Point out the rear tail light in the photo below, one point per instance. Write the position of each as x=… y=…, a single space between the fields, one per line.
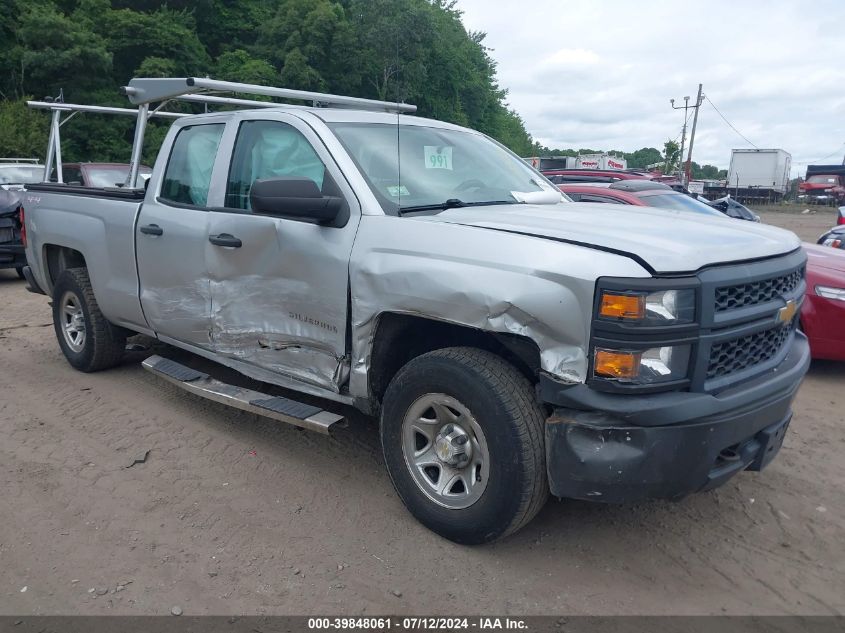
x=841 y=219
x=22 y=219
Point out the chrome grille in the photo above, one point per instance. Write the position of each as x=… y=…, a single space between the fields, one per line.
x=753 y=293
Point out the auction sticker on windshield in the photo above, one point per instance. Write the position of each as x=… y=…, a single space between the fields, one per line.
x=438 y=157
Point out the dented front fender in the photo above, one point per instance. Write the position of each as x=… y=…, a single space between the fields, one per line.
x=497 y=282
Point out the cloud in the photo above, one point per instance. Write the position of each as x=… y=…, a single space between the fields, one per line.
x=600 y=75
x=576 y=57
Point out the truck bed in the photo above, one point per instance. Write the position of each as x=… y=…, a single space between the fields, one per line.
x=98 y=223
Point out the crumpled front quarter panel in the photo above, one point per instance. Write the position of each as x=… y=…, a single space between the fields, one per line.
x=494 y=281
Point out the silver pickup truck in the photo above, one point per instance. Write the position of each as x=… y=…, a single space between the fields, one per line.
x=511 y=342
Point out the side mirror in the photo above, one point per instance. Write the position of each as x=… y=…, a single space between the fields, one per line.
x=293 y=198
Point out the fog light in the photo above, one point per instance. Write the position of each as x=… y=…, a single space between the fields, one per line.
x=654 y=365
x=611 y=364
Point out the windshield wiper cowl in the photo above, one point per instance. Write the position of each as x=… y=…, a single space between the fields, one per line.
x=453 y=203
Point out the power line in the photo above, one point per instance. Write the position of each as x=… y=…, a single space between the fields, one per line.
x=730 y=125
x=838 y=150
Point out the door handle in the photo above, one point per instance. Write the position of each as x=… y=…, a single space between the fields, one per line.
x=224 y=239
x=152 y=229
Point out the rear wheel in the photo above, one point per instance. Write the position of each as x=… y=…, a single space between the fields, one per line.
x=88 y=340
x=19 y=270
x=462 y=434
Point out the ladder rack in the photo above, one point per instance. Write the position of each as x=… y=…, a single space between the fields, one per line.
x=54 y=143
x=144 y=91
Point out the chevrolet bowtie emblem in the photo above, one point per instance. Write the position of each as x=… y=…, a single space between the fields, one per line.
x=787 y=312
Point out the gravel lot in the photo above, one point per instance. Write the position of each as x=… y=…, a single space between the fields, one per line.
x=232 y=513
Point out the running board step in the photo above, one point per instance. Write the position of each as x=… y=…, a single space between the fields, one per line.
x=297 y=413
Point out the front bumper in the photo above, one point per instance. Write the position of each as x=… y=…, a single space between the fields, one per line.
x=620 y=448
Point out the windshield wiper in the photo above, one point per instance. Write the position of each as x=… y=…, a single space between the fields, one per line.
x=452 y=203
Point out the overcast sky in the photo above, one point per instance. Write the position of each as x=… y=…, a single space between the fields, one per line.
x=600 y=73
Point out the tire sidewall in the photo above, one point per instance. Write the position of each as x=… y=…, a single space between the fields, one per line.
x=67 y=283
x=493 y=513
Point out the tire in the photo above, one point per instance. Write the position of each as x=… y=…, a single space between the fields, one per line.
x=425 y=409
x=19 y=270
x=88 y=340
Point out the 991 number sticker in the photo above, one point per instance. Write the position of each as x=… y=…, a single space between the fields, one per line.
x=438 y=157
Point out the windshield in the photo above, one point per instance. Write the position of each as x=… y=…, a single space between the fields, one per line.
x=678 y=202
x=21 y=174
x=439 y=168
x=822 y=180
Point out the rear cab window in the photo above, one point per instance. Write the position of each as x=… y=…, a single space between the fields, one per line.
x=187 y=177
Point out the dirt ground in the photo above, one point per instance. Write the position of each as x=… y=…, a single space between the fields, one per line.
x=236 y=514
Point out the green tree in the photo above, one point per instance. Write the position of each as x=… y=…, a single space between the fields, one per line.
x=241 y=66
x=54 y=51
x=671 y=156
x=24 y=131
x=413 y=50
x=644 y=157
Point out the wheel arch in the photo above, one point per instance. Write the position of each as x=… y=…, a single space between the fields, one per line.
x=400 y=337
x=57 y=259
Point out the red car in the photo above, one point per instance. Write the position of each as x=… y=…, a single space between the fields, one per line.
x=823 y=312
x=561 y=176
x=641 y=193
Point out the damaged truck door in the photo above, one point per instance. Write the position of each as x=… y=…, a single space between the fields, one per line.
x=171 y=236
x=278 y=273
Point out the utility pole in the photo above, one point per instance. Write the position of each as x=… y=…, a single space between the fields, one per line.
x=697 y=105
x=683 y=134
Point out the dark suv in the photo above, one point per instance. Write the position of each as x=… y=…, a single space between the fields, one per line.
x=11 y=247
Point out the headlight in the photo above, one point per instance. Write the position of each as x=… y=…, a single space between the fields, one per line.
x=664 y=307
x=831 y=293
x=644 y=367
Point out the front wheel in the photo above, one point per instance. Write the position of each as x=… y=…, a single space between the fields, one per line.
x=462 y=434
x=88 y=340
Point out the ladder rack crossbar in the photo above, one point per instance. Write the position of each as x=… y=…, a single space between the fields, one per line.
x=148 y=90
x=75 y=107
x=218 y=100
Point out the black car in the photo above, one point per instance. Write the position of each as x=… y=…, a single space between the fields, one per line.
x=734 y=209
x=835 y=237
x=11 y=247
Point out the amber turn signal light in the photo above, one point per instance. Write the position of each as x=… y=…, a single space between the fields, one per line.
x=611 y=364
x=617 y=306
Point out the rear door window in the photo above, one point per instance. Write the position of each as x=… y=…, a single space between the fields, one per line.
x=187 y=177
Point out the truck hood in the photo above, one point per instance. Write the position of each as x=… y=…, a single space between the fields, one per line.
x=664 y=240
